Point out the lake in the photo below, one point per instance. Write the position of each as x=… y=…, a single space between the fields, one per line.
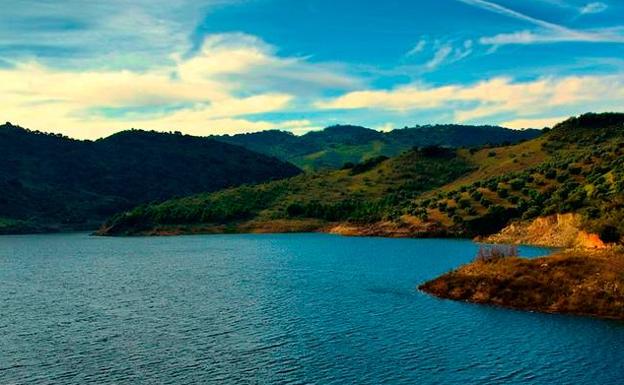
x=273 y=309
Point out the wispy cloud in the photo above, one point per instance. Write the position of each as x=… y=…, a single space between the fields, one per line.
x=230 y=79
x=439 y=57
x=442 y=52
x=533 y=122
x=595 y=7
x=100 y=34
x=548 y=32
x=418 y=48
x=491 y=97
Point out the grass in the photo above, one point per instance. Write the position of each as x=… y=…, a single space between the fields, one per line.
x=374 y=194
x=573 y=282
x=467 y=193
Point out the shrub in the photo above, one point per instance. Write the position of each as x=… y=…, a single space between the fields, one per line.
x=609 y=234
x=563 y=177
x=574 y=170
x=516 y=184
x=476 y=195
x=531 y=212
x=488 y=254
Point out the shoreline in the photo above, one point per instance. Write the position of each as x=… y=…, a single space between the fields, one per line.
x=576 y=275
x=575 y=282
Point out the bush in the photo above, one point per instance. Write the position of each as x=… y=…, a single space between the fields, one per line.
x=368 y=164
x=516 y=184
x=609 y=234
x=476 y=195
x=488 y=254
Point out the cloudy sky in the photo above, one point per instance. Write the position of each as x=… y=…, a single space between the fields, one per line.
x=88 y=69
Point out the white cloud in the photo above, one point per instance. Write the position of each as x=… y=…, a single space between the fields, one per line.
x=439 y=57
x=548 y=32
x=533 y=122
x=418 y=48
x=530 y=37
x=595 y=7
x=444 y=52
x=230 y=77
x=100 y=34
x=489 y=98
x=387 y=127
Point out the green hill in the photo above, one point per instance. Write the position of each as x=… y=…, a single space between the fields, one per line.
x=50 y=182
x=336 y=145
x=576 y=167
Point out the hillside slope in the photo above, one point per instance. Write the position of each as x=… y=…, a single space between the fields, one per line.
x=50 y=182
x=334 y=146
x=576 y=167
x=367 y=192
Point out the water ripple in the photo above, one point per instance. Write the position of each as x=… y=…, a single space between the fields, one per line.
x=272 y=309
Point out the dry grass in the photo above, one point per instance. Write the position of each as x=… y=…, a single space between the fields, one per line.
x=575 y=282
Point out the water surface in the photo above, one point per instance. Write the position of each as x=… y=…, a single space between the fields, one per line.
x=273 y=309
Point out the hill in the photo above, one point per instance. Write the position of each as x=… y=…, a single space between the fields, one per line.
x=50 y=182
x=336 y=145
x=576 y=167
x=366 y=192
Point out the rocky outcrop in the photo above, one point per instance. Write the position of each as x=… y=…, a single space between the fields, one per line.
x=560 y=230
x=579 y=282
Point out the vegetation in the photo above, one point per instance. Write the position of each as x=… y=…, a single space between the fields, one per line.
x=435 y=190
x=50 y=182
x=372 y=191
x=494 y=253
x=575 y=282
x=335 y=146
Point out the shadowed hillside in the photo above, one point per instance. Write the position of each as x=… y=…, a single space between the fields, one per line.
x=52 y=182
x=337 y=145
x=576 y=167
x=366 y=192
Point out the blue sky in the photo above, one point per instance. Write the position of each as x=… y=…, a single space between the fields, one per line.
x=89 y=69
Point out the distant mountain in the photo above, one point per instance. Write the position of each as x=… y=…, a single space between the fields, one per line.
x=577 y=167
x=53 y=182
x=336 y=145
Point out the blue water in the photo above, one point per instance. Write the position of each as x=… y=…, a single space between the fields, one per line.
x=273 y=309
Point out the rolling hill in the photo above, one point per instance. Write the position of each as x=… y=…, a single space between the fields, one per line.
x=50 y=182
x=577 y=167
x=336 y=145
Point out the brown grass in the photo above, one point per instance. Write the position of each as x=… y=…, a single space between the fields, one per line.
x=574 y=282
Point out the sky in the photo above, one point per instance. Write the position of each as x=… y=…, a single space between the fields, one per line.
x=88 y=69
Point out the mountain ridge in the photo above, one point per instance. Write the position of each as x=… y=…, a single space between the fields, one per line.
x=52 y=182
x=470 y=193
x=334 y=146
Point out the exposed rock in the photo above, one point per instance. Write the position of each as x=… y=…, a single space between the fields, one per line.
x=579 y=282
x=560 y=230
